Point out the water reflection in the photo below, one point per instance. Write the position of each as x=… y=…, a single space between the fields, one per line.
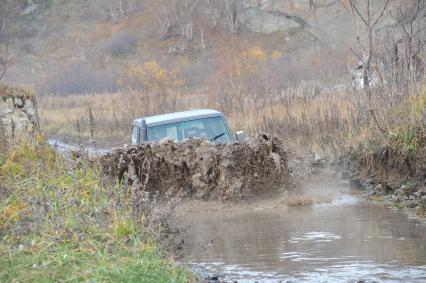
x=340 y=241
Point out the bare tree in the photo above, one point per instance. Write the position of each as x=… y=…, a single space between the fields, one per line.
x=314 y=5
x=178 y=19
x=211 y=9
x=4 y=55
x=115 y=9
x=8 y=16
x=231 y=15
x=364 y=24
x=185 y=17
x=410 y=17
x=222 y=11
x=401 y=49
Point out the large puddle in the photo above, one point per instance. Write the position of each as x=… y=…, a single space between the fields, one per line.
x=343 y=240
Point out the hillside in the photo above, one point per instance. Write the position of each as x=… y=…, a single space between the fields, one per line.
x=86 y=46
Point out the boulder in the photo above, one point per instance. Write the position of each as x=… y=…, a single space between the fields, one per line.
x=18 y=113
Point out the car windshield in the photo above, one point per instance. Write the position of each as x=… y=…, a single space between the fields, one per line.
x=212 y=129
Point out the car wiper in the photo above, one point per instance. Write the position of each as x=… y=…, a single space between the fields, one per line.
x=216 y=137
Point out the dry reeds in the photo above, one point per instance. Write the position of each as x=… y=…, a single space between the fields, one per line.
x=304 y=117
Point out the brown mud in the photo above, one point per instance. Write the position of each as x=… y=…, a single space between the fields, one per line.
x=165 y=177
x=197 y=169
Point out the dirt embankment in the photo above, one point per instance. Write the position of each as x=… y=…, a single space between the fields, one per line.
x=398 y=178
x=200 y=170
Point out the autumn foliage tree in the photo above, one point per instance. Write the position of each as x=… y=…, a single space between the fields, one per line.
x=155 y=87
x=243 y=74
x=152 y=78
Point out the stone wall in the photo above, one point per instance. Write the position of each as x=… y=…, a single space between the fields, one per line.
x=18 y=113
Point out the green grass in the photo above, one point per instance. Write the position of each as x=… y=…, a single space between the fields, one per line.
x=90 y=260
x=61 y=221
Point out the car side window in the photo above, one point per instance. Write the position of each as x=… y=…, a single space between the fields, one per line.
x=135 y=134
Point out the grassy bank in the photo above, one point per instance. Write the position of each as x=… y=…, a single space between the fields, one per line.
x=61 y=222
x=391 y=151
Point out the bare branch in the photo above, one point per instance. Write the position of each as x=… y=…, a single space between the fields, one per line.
x=355 y=8
x=357 y=55
x=381 y=14
x=344 y=6
x=4 y=56
x=5 y=60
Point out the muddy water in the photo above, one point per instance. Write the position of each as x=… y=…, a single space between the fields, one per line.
x=64 y=148
x=339 y=238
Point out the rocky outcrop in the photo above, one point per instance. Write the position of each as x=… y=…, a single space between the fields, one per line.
x=18 y=113
x=259 y=20
x=266 y=17
x=201 y=170
x=324 y=21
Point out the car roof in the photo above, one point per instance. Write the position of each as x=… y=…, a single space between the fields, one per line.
x=177 y=117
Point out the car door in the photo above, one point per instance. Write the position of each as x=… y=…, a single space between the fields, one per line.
x=135 y=135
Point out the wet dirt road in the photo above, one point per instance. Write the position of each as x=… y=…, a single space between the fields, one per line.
x=338 y=238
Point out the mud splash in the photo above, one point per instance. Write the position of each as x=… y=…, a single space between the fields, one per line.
x=197 y=169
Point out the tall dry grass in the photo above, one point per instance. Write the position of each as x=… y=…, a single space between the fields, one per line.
x=306 y=118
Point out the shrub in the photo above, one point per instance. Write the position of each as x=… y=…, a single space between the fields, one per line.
x=119 y=43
